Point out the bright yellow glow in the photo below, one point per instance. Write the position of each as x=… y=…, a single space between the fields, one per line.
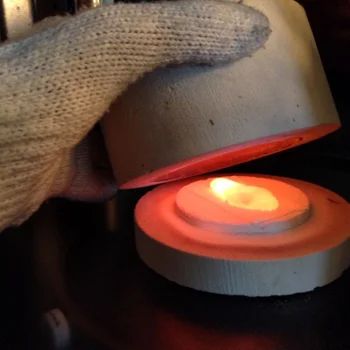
x=243 y=196
x=96 y=3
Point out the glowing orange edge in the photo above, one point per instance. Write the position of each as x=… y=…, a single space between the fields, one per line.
x=231 y=155
x=327 y=227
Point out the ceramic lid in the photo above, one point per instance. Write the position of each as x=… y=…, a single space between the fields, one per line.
x=179 y=122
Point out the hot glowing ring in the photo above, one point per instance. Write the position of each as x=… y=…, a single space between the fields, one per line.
x=327 y=227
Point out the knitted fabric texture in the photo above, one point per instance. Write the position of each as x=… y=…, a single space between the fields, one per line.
x=57 y=83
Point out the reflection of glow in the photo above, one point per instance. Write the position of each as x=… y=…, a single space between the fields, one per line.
x=96 y=3
x=243 y=196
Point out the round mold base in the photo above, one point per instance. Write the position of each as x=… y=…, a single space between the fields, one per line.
x=259 y=278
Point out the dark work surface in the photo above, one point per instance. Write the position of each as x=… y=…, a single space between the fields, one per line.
x=113 y=301
x=140 y=310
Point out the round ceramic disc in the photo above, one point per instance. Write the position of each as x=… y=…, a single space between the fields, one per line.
x=310 y=253
x=327 y=226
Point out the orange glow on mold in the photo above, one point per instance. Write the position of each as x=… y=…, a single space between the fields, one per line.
x=243 y=196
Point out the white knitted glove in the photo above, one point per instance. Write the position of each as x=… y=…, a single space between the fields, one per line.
x=56 y=84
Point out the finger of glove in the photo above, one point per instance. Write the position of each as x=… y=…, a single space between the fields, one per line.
x=91 y=174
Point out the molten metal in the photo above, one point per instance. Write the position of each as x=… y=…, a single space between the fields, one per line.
x=243 y=196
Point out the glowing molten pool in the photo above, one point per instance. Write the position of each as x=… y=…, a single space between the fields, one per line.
x=243 y=196
x=242 y=204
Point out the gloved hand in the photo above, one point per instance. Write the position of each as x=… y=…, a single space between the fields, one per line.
x=57 y=83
